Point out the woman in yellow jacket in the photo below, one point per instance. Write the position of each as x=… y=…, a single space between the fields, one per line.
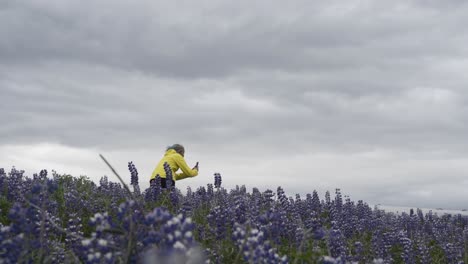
x=174 y=157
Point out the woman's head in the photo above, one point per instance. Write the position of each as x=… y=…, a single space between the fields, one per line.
x=178 y=148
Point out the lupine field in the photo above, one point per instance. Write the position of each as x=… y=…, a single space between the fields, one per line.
x=52 y=218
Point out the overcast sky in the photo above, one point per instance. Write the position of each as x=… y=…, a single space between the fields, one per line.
x=367 y=96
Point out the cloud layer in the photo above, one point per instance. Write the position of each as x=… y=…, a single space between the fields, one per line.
x=367 y=96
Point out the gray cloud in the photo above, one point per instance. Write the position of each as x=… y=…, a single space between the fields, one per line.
x=236 y=79
x=219 y=39
x=84 y=106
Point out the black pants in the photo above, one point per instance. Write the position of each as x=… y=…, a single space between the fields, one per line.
x=163 y=182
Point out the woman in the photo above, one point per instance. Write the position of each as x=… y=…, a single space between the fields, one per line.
x=175 y=159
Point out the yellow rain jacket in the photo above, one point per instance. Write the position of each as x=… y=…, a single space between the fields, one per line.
x=176 y=162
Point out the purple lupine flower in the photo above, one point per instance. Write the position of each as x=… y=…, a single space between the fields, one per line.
x=268 y=198
x=156 y=186
x=243 y=190
x=217 y=182
x=10 y=244
x=420 y=215
x=66 y=237
x=179 y=232
x=186 y=208
x=271 y=223
x=218 y=219
x=170 y=238
x=154 y=221
x=315 y=203
x=452 y=252
x=332 y=260
x=134 y=177
x=57 y=254
x=299 y=236
x=209 y=190
x=424 y=256
x=74 y=231
x=255 y=247
x=12 y=238
x=201 y=191
x=313 y=224
x=337 y=244
x=169 y=178
x=282 y=199
x=240 y=209
x=41 y=177
x=189 y=192
x=364 y=217
x=128 y=213
x=3 y=182
x=253 y=206
x=388 y=241
x=407 y=253
x=337 y=208
x=104 y=182
x=174 y=198
x=43 y=174
x=349 y=219
x=157 y=216
x=101 y=221
x=359 y=252
x=327 y=199
x=15 y=185
x=255 y=191
x=98 y=248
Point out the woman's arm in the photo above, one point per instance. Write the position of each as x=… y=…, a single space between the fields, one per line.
x=186 y=170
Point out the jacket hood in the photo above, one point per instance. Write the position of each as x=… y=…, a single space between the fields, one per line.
x=170 y=152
